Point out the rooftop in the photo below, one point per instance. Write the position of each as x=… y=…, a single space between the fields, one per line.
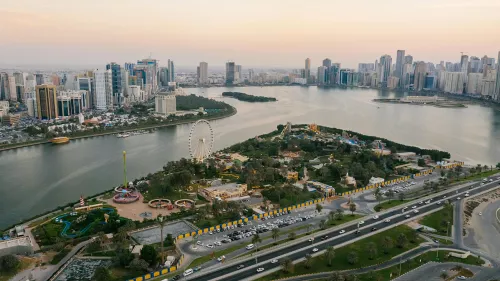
x=23 y=241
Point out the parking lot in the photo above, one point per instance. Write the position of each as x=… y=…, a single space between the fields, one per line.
x=152 y=235
x=243 y=232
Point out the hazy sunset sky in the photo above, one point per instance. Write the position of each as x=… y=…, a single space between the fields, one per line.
x=254 y=33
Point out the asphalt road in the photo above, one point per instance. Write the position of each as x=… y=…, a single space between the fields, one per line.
x=300 y=249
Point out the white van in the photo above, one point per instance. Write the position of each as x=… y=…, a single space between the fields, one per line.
x=188 y=272
x=250 y=246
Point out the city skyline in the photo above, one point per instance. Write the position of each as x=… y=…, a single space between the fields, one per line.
x=264 y=35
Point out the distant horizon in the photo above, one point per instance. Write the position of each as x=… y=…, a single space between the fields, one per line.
x=257 y=33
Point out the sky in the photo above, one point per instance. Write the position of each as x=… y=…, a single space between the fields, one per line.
x=255 y=33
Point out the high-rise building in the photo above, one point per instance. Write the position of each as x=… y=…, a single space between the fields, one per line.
x=203 y=73
x=334 y=73
x=149 y=69
x=165 y=103
x=475 y=65
x=327 y=63
x=12 y=88
x=116 y=82
x=46 y=102
x=419 y=76
x=39 y=79
x=454 y=82
x=474 y=81
x=385 y=69
x=238 y=74
x=464 y=64
x=251 y=75
x=409 y=59
x=322 y=75
x=130 y=68
x=307 y=69
x=366 y=67
x=497 y=85
x=171 y=71
x=164 y=76
x=230 y=73
x=102 y=89
x=85 y=84
x=4 y=86
x=399 y=65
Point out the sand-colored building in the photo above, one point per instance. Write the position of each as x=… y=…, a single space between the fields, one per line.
x=224 y=192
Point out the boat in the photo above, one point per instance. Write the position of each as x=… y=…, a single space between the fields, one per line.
x=59 y=140
x=124 y=135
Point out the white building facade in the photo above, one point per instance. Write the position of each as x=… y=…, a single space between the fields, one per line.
x=165 y=104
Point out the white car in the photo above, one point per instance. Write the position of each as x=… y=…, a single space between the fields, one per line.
x=444 y=196
x=361 y=222
x=210 y=233
x=428 y=201
x=274 y=261
x=221 y=258
x=315 y=250
x=414 y=207
x=480 y=213
x=199 y=243
x=387 y=220
x=217 y=243
x=210 y=246
x=407 y=216
x=260 y=269
x=438 y=202
x=310 y=240
x=375 y=217
x=415 y=211
x=342 y=231
x=458 y=198
x=466 y=194
x=420 y=202
x=461 y=277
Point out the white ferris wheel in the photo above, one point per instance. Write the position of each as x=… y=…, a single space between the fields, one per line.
x=201 y=140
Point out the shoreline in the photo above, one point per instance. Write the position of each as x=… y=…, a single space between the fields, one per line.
x=181 y=122
x=439 y=105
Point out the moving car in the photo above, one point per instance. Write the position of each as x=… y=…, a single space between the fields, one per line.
x=480 y=213
x=361 y=222
x=414 y=207
x=221 y=258
x=342 y=231
x=240 y=266
x=407 y=216
x=387 y=220
x=373 y=229
x=310 y=239
x=375 y=217
x=250 y=246
x=415 y=211
x=274 y=261
x=188 y=272
x=315 y=250
x=260 y=269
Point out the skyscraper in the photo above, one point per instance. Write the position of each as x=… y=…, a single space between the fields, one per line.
x=130 y=68
x=46 y=102
x=116 y=82
x=149 y=67
x=464 y=64
x=203 y=73
x=238 y=73
x=385 y=69
x=327 y=63
x=39 y=79
x=322 y=75
x=164 y=78
x=102 y=82
x=409 y=59
x=496 y=96
x=400 y=57
x=171 y=71
x=4 y=86
x=307 y=69
x=419 y=76
x=230 y=73
x=475 y=65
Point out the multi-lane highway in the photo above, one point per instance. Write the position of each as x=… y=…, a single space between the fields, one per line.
x=229 y=271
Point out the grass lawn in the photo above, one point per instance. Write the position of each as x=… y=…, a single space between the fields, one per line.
x=57 y=258
x=389 y=204
x=438 y=220
x=443 y=241
x=340 y=262
x=124 y=273
x=25 y=263
x=479 y=176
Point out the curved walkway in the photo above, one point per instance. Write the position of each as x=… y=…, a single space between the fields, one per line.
x=67 y=225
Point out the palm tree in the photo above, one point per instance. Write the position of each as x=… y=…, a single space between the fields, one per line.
x=444 y=275
x=340 y=213
x=351 y=277
x=371 y=249
x=308 y=227
x=330 y=255
x=387 y=244
x=308 y=261
x=292 y=235
x=275 y=234
x=322 y=224
x=352 y=257
x=331 y=215
x=286 y=265
x=401 y=196
x=255 y=240
x=336 y=276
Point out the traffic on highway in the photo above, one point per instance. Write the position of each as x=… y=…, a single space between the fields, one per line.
x=247 y=268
